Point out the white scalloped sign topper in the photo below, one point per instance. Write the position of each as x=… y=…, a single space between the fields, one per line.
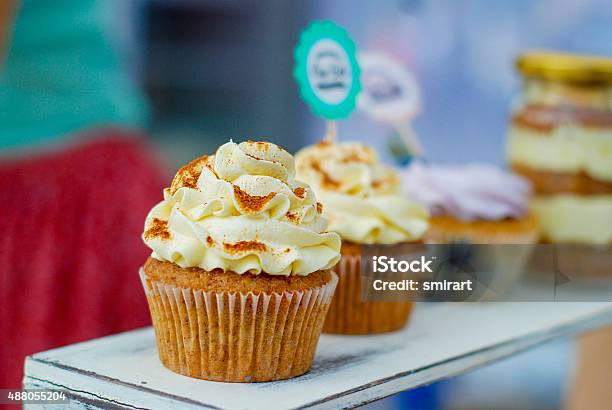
x=389 y=92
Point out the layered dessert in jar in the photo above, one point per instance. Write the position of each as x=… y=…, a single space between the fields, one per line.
x=560 y=138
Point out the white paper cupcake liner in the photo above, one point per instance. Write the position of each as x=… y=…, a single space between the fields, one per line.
x=236 y=337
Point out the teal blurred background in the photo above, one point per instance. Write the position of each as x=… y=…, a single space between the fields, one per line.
x=63 y=74
x=194 y=73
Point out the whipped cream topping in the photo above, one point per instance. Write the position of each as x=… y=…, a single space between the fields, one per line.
x=468 y=192
x=361 y=197
x=241 y=210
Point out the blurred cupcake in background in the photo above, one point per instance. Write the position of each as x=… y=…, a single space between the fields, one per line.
x=476 y=203
x=239 y=279
x=363 y=202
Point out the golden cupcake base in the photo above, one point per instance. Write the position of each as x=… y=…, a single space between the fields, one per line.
x=237 y=336
x=349 y=314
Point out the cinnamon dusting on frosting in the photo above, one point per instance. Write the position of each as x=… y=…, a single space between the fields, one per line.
x=262 y=145
x=299 y=192
x=245 y=246
x=251 y=203
x=261 y=159
x=327 y=182
x=293 y=217
x=255 y=157
x=389 y=181
x=188 y=175
x=355 y=157
x=158 y=228
x=319 y=208
x=362 y=197
x=234 y=199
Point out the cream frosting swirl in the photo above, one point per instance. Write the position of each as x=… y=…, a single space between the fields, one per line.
x=242 y=210
x=361 y=196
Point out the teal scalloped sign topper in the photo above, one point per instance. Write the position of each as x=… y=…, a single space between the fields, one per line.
x=326 y=70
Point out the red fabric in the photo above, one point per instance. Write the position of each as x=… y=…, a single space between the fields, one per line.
x=70 y=247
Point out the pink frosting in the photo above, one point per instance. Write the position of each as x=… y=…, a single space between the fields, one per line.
x=467 y=192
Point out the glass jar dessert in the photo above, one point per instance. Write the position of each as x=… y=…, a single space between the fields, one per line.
x=560 y=138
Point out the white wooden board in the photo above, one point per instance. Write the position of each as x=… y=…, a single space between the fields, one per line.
x=442 y=340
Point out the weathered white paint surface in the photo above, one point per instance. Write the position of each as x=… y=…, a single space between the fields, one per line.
x=441 y=341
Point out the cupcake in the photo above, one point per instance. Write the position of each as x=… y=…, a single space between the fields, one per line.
x=239 y=280
x=478 y=204
x=362 y=202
